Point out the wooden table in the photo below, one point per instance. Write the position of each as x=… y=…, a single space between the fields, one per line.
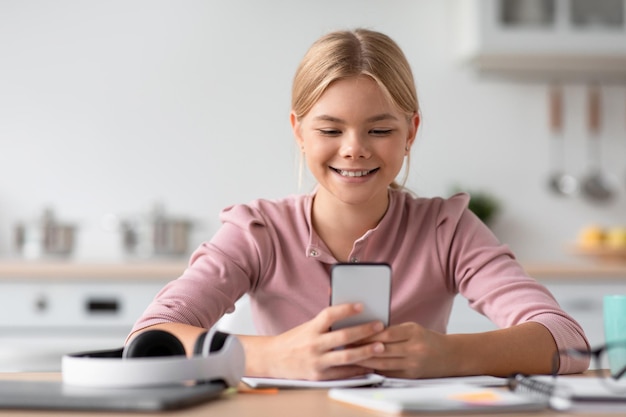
x=285 y=403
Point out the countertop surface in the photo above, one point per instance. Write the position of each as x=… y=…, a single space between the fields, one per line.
x=168 y=269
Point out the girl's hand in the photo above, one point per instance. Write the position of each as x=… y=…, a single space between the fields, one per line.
x=310 y=351
x=411 y=351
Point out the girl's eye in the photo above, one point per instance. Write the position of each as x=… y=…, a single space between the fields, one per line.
x=330 y=132
x=381 y=132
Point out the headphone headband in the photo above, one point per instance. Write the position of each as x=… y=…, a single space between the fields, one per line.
x=108 y=369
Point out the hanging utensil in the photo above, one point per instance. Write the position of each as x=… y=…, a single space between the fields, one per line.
x=559 y=182
x=597 y=186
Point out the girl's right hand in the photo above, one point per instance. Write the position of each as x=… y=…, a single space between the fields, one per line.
x=310 y=351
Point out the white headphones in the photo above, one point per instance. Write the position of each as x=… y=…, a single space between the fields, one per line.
x=156 y=357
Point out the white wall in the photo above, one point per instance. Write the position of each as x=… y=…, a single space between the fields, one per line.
x=109 y=106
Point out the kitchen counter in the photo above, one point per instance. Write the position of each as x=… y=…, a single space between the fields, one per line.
x=167 y=269
x=81 y=270
x=577 y=271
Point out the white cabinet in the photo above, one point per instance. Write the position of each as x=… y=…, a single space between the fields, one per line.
x=88 y=307
x=41 y=320
x=544 y=39
x=581 y=299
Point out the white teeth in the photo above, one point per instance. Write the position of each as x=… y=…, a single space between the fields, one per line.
x=352 y=173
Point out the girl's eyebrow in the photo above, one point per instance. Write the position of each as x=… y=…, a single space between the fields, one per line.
x=377 y=118
x=380 y=117
x=327 y=118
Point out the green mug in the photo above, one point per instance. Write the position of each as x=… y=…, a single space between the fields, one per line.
x=615 y=330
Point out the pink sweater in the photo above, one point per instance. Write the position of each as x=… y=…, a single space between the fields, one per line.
x=436 y=247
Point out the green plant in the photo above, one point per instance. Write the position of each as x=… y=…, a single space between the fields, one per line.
x=482 y=203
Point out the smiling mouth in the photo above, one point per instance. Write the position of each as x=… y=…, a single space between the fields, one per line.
x=361 y=173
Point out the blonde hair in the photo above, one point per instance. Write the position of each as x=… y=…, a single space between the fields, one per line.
x=344 y=54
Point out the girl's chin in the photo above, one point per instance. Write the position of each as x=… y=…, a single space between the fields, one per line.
x=355 y=195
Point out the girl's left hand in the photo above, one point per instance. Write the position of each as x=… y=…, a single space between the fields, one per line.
x=411 y=351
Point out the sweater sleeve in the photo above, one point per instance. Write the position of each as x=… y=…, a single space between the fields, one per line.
x=218 y=274
x=486 y=273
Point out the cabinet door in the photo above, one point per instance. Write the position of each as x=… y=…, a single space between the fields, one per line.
x=40 y=321
x=73 y=305
x=580 y=299
x=544 y=38
x=583 y=301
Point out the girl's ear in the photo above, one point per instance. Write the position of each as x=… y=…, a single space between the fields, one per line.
x=295 y=127
x=414 y=124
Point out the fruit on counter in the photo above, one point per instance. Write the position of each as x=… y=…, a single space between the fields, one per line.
x=596 y=237
x=591 y=236
x=615 y=237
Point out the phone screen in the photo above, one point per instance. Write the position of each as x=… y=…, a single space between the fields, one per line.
x=367 y=283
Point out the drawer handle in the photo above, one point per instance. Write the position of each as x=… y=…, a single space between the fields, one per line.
x=102 y=306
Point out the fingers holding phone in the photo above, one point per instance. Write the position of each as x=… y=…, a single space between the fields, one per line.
x=333 y=338
x=359 y=310
x=310 y=350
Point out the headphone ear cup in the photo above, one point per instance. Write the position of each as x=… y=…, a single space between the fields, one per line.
x=198 y=347
x=209 y=342
x=153 y=343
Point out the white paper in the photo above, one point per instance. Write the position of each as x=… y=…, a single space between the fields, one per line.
x=479 y=380
x=370 y=379
x=373 y=379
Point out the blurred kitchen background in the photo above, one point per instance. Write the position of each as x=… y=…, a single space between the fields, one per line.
x=117 y=114
x=109 y=108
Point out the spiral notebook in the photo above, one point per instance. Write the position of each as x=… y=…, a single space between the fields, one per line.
x=577 y=388
x=453 y=397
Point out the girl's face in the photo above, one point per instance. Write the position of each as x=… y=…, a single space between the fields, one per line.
x=355 y=140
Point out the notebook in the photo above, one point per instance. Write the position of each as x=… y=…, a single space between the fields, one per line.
x=454 y=397
x=583 y=388
x=53 y=395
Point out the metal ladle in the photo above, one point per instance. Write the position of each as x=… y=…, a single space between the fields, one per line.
x=559 y=182
x=596 y=186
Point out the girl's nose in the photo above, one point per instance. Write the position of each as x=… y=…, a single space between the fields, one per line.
x=354 y=146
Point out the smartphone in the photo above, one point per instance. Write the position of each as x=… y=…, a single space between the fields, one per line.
x=367 y=283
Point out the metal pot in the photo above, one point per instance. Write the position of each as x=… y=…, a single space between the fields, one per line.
x=45 y=236
x=156 y=235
